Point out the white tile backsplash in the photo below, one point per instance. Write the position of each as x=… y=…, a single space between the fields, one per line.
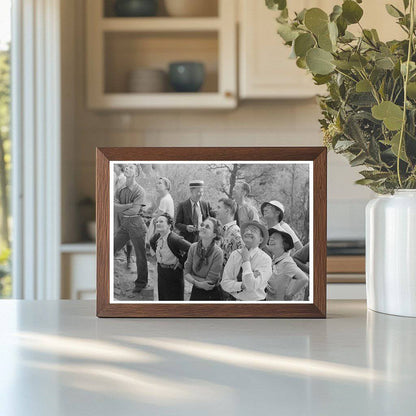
x=257 y=123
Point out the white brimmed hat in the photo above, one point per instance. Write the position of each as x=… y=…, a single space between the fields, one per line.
x=286 y=236
x=275 y=204
x=261 y=227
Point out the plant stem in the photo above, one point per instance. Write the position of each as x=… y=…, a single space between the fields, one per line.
x=373 y=90
x=345 y=75
x=406 y=79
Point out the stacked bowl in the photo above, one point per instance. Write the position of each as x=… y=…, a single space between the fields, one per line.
x=147 y=80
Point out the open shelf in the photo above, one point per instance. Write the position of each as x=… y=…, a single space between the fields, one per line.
x=211 y=9
x=116 y=46
x=166 y=101
x=127 y=51
x=160 y=24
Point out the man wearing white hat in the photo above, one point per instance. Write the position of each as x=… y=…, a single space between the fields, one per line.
x=248 y=269
x=273 y=212
x=192 y=212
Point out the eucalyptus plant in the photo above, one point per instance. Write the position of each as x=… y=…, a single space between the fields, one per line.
x=369 y=112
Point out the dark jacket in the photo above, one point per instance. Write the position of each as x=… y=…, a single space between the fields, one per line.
x=184 y=218
x=177 y=245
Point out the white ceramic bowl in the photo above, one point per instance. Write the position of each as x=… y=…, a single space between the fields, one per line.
x=146 y=80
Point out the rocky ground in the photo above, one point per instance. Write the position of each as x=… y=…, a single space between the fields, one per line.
x=124 y=280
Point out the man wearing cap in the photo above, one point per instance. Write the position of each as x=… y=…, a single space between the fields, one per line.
x=272 y=213
x=192 y=212
x=245 y=211
x=248 y=269
x=287 y=281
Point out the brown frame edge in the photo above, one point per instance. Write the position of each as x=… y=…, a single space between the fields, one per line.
x=317 y=309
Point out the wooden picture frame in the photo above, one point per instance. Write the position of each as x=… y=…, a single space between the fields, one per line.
x=315 y=308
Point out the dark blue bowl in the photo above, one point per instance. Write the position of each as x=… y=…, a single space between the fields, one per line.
x=186 y=76
x=135 y=8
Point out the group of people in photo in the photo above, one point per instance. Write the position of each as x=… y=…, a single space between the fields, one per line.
x=226 y=250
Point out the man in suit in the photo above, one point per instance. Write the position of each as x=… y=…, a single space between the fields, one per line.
x=192 y=212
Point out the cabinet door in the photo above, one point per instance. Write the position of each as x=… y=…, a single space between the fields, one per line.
x=265 y=68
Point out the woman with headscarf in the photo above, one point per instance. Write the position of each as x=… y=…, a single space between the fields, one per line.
x=171 y=250
x=203 y=266
x=287 y=281
x=273 y=213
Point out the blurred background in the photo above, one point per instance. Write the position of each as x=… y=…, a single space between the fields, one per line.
x=101 y=73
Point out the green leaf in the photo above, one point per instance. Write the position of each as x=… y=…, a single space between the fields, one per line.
x=406 y=4
x=303 y=43
x=363 y=86
x=286 y=32
x=390 y=113
x=276 y=4
x=343 y=65
x=385 y=63
x=394 y=144
x=374 y=175
x=347 y=37
x=319 y=61
x=368 y=36
x=336 y=12
x=325 y=43
x=358 y=160
x=358 y=61
x=381 y=89
x=301 y=63
x=374 y=150
x=321 y=79
x=342 y=25
x=393 y=11
x=375 y=35
x=361 y=99
x=333 y=32
x=412 y=67
x=364 y=181
x=351 y=11
x=316 y=20
x=411 y=90
x=300 y=17
x=343 y=145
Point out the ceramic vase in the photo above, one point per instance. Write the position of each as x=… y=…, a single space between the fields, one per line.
x=135 y=8
x=391 y=253
x=186 y=76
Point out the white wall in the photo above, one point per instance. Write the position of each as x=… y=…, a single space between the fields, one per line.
x=255 y=123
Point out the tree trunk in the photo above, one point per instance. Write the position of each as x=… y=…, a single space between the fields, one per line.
x=292 y=193
x=233 y=178
x=4 y=195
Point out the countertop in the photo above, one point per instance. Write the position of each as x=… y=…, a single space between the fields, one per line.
x=57 y=358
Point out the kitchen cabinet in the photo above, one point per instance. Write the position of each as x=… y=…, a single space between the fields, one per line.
x=78 y=262
x=265 y=70
x=118 y=45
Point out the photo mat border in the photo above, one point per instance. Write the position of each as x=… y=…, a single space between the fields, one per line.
x=189 y=162
x=314 y=308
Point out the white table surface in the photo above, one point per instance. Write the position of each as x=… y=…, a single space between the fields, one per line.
x=57 y=358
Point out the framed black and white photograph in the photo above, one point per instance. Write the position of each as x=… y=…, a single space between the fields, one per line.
x=222 y=232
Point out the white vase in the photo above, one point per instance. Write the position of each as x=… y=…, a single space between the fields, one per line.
x=391 y=253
